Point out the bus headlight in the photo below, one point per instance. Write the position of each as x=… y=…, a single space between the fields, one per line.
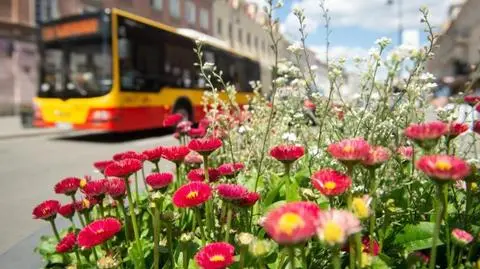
x=101 y=115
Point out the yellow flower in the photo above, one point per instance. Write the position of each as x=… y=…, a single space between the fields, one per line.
x=360 y=207
x=366 y=260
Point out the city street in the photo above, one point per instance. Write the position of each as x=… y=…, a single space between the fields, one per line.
x=30 y=166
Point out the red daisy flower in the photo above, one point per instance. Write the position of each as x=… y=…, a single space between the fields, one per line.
x=476 y=126
x=192 y=194
x=129 y=155
x=405 y=152
x=366 y=246
x=205 y=146
x=175 y=154
x=172 y=120
x=67 y=210
x=123 y=168
x=101 y=165
x=47 y=210
x=443 y=167
x=86 y=204
x=96 y=188
x=218 y=255
x=287 y=153
x=350 y=150
x=67 y=186
x=197 y=132
x=230 y=169
x=293 y=222
x=231 y=191
x=330 y=182
x=199 y=175
x=309 y=105
x=193 y=158
x=249 y=199
x=183 y=127
x=376 y=156
x=461 y=237
x=159 y=181
x=67 y=243
x=153 y=155
x=204 y=123
x=471 y=99
x=456 y=128
x=426 y=134
x=98 y=232
x=116 y=188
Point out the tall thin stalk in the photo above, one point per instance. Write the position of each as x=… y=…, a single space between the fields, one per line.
x=208 y=204
x=78 y=214
x=54 y=228
x=229 y=222
x=440 y=207
x=133 y=216
x=336 y=258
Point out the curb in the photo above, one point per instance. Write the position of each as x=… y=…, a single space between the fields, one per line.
x=25 y=134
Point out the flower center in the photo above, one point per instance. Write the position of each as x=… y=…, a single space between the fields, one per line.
x=83 y=183
x=99 y=231
x=360 y=208
x=443 y=165
x=290 y=222
x=330 y=185
x=217 y=258
x=333 y=233
x=85 y=203
x=348 y=149
x=192 y=195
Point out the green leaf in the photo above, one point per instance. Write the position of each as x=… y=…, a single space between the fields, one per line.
x=272 y=194
x=378 y=263
x=416 y=237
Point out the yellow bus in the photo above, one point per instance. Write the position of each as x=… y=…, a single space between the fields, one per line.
x=117 y=71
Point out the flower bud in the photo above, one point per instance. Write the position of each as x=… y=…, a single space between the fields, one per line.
x=168 y=216
x=108 y=262
x=186 y=237
x=244 y=239
x=260 y=248
x=461 y=237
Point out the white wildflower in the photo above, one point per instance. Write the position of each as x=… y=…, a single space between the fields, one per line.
x=208 y=66
x=383 y=42
x=290 y=137
x=280 y=81
x=295 y=47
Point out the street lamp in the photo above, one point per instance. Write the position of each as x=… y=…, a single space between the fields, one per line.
x=400 y=18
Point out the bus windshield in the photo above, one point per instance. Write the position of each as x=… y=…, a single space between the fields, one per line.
x=76 y=69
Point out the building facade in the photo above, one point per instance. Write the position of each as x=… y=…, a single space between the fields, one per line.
x=458 y=44
x=18 y=55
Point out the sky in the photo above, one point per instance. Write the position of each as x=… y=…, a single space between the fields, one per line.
x=356 y=24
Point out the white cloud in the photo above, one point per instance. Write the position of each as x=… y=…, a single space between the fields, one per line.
x=336 y=52
x=368 y=14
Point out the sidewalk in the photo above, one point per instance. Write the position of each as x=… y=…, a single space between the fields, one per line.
x=11 y=127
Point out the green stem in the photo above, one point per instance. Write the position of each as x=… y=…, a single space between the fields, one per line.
x=291 y=256
x=229 y=223
x=133 y=217
x=177 y=172
x=137 y=194
x=54 y=228
x=200 y=225
x=95 y=254
x=170 y=242
x=439 y=208
x=468 y=204
x=144 y=181
x=451 y=255
x=79 y=260
x=336 y=258
x=372 y=222
x=304 y=256
x=185 y=255
x=156 y=238
x=288 y=183
x=331 y=201
x=82 y=222
x=243 y=253
x=125 y=216
x=445 y=217
x=208 y=204
x=100 y=207
x=358 y=248
x=156 y=166
x=74 y=227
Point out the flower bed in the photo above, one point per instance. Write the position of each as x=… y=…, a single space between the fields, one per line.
x=299 y=181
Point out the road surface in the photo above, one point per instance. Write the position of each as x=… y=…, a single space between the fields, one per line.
x=30 y=166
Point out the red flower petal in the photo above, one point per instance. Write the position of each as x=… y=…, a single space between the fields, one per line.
x=287 y=153
x=159 y=180
x=330 y=182
x=217 y=255
x=67 y=243
x=67 y=186
x=192 y=194
x=46 y=210
x=205 y=145
x=123 y=168
x=98 y=232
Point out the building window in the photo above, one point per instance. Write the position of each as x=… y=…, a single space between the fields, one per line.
x=249 y=39
x=157 y=4
x=174 y=7
x=190 y=12
x=240 y=35
x=219 y=26
x=48 y=10
x=204 y=18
